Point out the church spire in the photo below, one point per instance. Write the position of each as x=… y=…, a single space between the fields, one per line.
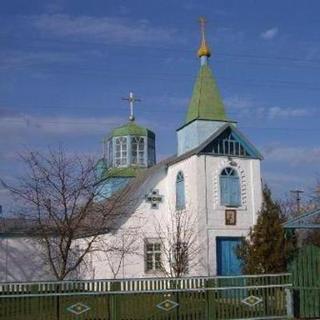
x=204 y=51
x=206 y=102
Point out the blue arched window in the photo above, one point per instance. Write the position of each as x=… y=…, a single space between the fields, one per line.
x=230 y=188
x=180 y=192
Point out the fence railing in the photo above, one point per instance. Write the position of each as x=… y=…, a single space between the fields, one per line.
x=194 y=298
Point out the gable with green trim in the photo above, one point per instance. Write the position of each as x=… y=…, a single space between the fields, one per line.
x=231 y=142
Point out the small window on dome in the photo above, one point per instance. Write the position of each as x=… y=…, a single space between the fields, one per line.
x=110 y=153
x=137 y=151
x=151 y=152
x=120 y=157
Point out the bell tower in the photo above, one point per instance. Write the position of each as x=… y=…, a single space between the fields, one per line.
x=206 y=111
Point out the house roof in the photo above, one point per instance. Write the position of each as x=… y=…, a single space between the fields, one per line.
x=308 y=220
x=127 y=172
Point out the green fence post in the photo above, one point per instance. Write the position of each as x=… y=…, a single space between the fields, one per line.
x=115 y=301
x=210 y=299
x=33 y=302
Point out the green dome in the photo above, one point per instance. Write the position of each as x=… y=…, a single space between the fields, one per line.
x=131 y=128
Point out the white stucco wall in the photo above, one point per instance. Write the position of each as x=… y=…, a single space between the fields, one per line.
x=203 y=194
x=21 y=260
x=201 y=175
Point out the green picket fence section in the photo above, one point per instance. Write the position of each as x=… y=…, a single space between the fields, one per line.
x=305 y=270
x=198 y=298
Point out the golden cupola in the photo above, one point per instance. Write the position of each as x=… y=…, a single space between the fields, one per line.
x=204 y=50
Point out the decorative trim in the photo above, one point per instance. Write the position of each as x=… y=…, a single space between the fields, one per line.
x=78 y=308
x=167 y=305
x=251 y=301
x=154 y=198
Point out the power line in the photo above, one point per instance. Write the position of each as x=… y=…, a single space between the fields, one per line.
x=272 y=84
x=120 y=107
x=108 y=123
x=312 y=63
x=178 y=49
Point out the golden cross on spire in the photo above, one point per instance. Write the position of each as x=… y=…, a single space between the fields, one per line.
x=203 y=22
x=204 y=49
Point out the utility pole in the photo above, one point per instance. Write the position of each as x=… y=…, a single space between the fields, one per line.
x=297 y=194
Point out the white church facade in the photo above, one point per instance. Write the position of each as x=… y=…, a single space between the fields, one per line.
x=211 y=189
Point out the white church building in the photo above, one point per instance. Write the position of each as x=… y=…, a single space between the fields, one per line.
x=207 y=196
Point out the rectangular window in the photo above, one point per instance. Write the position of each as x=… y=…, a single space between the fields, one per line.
x=151 y=152
x=110 y=154
x=120 y=158
x=230 y=191
x=153 y=254
x=137 y=148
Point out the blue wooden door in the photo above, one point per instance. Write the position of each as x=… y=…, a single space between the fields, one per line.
x=228 y=263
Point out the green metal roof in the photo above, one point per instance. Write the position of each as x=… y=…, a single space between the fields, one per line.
x=122 y=172
x=206 y=102
x=131 y=128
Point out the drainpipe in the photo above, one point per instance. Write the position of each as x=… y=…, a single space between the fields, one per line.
x=206 y=209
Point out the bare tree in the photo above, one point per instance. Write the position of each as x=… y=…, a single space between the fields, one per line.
x=311 y=202
x=179 y=243
x=125 y=243
x=59 y=195
x=315 y=194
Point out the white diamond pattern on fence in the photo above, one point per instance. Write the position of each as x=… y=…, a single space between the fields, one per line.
x=167 y=305
x=251 y=301
x=78 y=308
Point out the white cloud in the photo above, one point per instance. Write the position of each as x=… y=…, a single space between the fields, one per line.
x=270 y=33
x=20 y=59
x=243 y=106
x=293 y=156
x=281 y=183
x=56 y=125
x=103 y=29
x=279 y=112
x=239 y=102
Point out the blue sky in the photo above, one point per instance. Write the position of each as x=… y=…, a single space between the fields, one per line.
x=64 y=66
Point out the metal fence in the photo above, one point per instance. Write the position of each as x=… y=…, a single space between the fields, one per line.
x=305 y=270
x=196 y=298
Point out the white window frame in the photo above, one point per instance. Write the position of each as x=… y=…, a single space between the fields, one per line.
x=138 y=147
x=121 y=153
x=154 y=253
